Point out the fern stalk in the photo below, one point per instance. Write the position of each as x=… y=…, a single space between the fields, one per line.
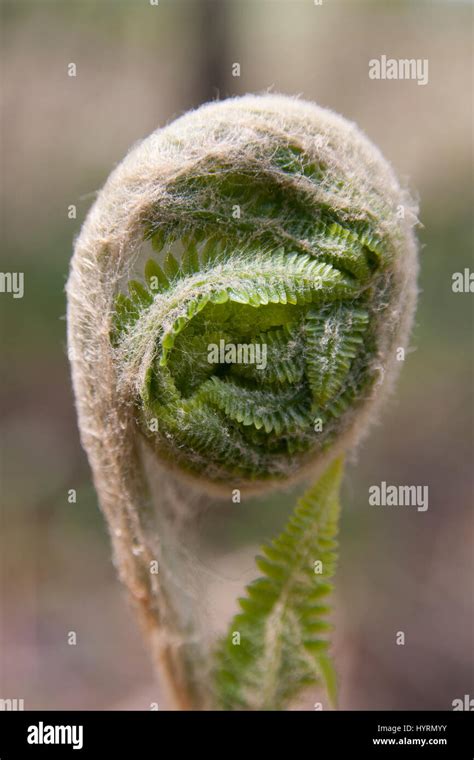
x=261 y=221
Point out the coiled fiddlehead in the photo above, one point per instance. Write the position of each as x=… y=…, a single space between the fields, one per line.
x=276 y=228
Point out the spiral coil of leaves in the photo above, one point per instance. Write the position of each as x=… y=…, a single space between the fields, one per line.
x=251 y=255
x=275 y=224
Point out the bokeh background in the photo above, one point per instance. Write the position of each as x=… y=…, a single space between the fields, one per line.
x=138 y=67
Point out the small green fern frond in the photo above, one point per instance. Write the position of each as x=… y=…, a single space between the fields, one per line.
x=282 y=642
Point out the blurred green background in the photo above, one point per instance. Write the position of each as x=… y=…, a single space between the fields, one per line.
x=138 y=67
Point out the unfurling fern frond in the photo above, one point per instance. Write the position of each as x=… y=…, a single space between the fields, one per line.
x=278 y=644
x=263 y=225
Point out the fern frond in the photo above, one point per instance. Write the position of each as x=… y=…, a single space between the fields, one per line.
x=272 y=222
x=282 y=643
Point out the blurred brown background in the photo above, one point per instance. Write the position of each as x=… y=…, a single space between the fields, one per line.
x=138 y=67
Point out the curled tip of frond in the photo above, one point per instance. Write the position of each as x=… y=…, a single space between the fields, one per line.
x=276 y=227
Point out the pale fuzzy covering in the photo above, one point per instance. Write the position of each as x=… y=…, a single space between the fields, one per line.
x=109 y=242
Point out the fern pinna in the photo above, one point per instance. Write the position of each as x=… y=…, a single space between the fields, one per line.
x=271 y=224
x=283 y=644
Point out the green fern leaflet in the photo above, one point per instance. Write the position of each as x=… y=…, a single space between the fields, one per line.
x=283 y=627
